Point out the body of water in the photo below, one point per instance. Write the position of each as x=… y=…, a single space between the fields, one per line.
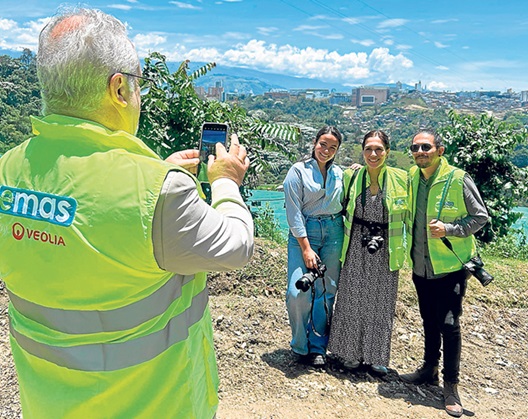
x=275 y=199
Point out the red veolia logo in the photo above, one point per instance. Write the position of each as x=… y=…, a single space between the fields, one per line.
x=18 y=231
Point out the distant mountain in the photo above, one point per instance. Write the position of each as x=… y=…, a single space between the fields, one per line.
x=244 y=80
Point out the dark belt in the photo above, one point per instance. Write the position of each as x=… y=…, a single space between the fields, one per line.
x=325 y=216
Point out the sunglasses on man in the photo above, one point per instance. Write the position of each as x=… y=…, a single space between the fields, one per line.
x=415 y=148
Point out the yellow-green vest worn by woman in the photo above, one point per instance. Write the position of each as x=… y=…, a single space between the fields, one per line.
x=453 y=208
x=97 y=328
x=394 y=182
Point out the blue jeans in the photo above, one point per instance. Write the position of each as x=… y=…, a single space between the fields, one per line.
x=325 y=234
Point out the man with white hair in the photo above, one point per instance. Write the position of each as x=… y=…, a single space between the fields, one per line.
x=104 y=245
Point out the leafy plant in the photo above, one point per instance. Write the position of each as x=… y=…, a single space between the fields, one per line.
x=267 y=226
x=172 y=115
x=483 y=147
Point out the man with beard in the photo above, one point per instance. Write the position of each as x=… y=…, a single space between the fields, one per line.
x=444 y=203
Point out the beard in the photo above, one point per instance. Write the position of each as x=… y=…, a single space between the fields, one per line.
x=422 y=163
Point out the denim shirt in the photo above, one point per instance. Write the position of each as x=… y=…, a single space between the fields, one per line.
x=307 y=195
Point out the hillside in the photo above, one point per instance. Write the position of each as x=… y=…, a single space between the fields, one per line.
x=258 y=378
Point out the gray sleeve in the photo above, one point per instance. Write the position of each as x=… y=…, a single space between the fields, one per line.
x=190 y=236
x=477 y=214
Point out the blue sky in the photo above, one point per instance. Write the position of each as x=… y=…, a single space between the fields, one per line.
x=447 y=45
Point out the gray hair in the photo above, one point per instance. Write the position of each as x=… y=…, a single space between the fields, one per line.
x=79 y=50
x=438 y=142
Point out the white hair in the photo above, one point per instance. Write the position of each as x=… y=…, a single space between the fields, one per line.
x=79 y=50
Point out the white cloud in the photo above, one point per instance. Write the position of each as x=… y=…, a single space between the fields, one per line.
x=440 y=45
x=442 y=67
x=182 y=5
x=388 y=42
x=403 y=47
x=308 y=28
x=437 y=85
x=441 y=21
x=235 y=35
x=364 y=42
x=149 y=41
x=15 y=37
x=392 y=23
x=119 y=6
x=351 y=20
x=267 y=30
x=7 y=24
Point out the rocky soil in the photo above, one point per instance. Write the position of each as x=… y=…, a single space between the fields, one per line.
x=259 y=378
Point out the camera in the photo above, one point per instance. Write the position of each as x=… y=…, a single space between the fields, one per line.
x=307 y=280
x=475 y=267
x=372 y=242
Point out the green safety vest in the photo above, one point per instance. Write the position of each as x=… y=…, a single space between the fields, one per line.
x=394 y=190
x=97 y=328
x=454 y=208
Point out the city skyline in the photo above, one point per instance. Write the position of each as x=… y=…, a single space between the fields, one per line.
x=447 y=45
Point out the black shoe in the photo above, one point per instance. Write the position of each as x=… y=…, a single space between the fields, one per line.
x=426 y=374
x=318 y=361
x=452 y=404
x=302 y=359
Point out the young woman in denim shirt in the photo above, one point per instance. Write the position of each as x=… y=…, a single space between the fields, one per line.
x=313 y=191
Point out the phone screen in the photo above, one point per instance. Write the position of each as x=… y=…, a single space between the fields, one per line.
x=212 y=134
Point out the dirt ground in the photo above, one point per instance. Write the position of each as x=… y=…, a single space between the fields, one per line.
x=259 y=378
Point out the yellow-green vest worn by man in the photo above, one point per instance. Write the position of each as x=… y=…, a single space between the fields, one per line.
x=446 y=192
x=394 y=190
x=97 y=328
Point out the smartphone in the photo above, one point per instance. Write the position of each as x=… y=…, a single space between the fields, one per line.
x=212 y=133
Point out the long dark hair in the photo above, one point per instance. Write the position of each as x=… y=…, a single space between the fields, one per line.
x=328 y=129
x=377 y=133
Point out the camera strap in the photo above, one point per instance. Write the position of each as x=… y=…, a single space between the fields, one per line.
x=347 y=192
x=445 y=240
x=363 y=223
x=325 y=305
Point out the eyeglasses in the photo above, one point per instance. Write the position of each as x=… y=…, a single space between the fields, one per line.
x=415 y=148
x=138 y=76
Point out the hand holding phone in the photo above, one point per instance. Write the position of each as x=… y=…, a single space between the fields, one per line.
x=212 y=133
x=231 y=164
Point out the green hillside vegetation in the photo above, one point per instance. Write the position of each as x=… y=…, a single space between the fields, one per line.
x=277 y=132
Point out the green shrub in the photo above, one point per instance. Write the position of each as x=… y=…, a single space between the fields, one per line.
x=267 y=226
x=513 y=245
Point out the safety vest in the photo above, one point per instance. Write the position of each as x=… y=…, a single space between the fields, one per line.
x=447 y=192
x=394 y=190
x=97 y=328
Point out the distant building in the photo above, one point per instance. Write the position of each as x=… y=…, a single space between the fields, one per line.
x=364 y=96
x=311 y=93
x=524 y=98
x=216 y=92
x=200 y=91
x=277 y=94
x=339 y=98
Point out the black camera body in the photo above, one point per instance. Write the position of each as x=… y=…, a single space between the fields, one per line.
x=307 y=280
x=372 y=242
x=475 y=266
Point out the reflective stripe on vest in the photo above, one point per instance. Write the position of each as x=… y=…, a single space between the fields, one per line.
x=95 y=321
x=114 y=356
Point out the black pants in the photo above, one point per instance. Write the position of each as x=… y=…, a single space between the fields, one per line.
x=440 y=302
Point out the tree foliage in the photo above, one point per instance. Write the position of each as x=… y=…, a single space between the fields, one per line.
x=172 y=115
x=483 y=147
x=19 y=98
